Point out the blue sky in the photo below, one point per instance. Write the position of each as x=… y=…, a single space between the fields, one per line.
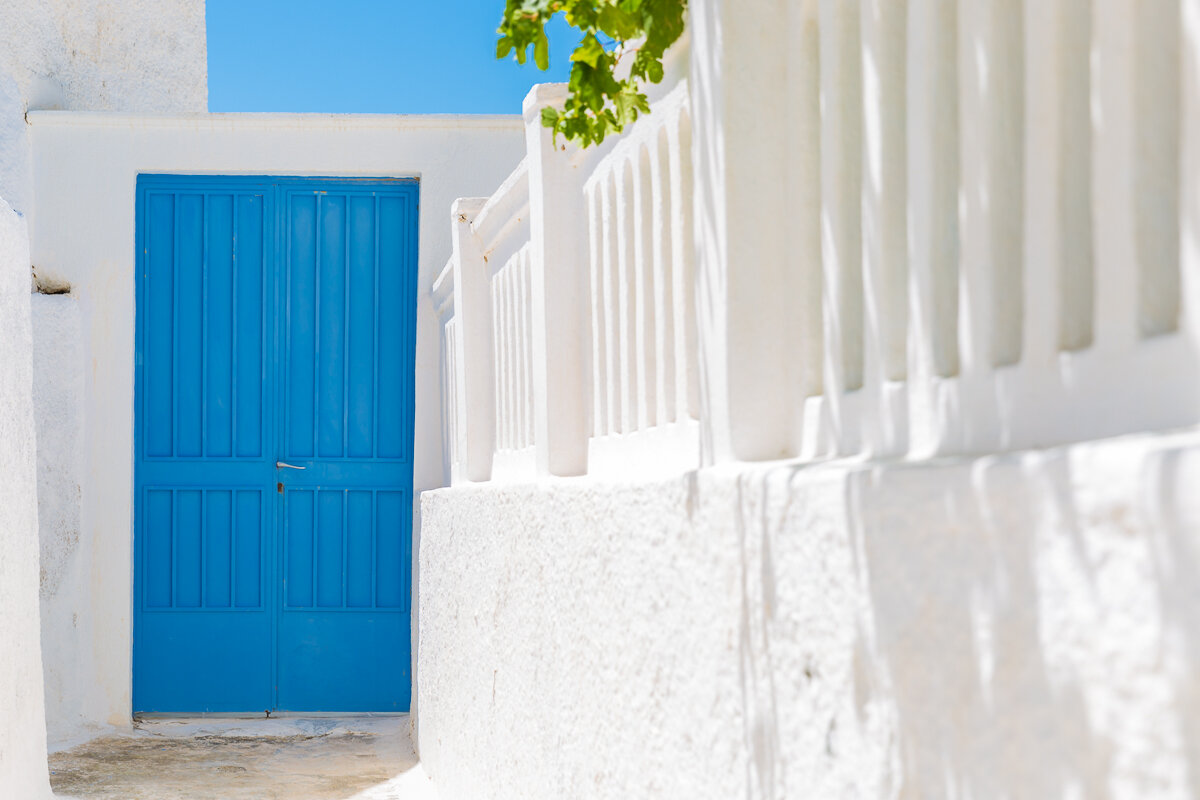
x=392 y=56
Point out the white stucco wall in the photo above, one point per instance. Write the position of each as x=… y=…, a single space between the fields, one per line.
x=118 y=55
x=23 y=771
x=66 y=557
x=1023 y=625
x=83 y=231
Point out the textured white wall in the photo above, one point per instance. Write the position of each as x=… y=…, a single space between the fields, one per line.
x=1025 y=625
x=84 y=233
x=101 y=55
x=22 y=719
x=58 y=380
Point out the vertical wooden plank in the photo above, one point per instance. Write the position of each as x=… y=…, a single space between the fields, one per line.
x=158 y=560
x=219 y=315
x=360 y=314
x=235 y=291
x=359 y=563
x=329 y=565
x=300 y=507
x=203 y=363
x=203 y=541
x=318 y=241
x=302 y=325
x=217 y=548
x=331 y=306
x=189 y=548
x=159 y=333
x=389 y=567
x=395 y=373
x=190 y=326
x=175 y=329
x=251 y=305
x=345 y=449
x=375 y=339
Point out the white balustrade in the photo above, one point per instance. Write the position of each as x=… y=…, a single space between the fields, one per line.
x=452 y=427
x=644 y=386
x=512 y=326
x=924 y=229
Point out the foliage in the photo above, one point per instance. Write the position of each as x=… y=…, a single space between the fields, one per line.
x=598 y=102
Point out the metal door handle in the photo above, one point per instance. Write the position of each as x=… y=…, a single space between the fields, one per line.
x=281 y=465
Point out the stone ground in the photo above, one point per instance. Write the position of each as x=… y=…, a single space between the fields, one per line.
x=346 y=758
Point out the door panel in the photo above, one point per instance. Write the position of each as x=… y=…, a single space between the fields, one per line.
x=350 y=289
x=257 y=586
x=202 y=622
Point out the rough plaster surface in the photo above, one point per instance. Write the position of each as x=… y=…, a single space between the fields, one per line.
x=249 y=759
x=1025 y=625
x=58 y=373
x=22 y=716
x=101 y=55
x=84 y=234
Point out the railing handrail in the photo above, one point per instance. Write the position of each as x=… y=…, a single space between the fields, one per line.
x=504 y=211
x=663 y=113
x=443 y=291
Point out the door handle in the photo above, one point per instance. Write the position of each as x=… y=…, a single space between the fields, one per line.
x=281 y=465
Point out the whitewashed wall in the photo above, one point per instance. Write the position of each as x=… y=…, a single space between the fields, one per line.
x=23 y=770
x=940 y=542
x=68 y=646
x=1025 y=625
x=85 y=233
x=102 y=55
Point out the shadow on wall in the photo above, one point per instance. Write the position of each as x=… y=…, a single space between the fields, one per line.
x=1014 y=626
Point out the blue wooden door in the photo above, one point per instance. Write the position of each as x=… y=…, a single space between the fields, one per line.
x=274 y=420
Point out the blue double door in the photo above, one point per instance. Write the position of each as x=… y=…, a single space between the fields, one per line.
x=274 y=435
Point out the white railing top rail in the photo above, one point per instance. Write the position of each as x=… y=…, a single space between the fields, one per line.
x=664 y=113
x=443 y=292
x=504 y=218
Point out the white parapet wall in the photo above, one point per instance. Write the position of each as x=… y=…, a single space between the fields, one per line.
x=1018 y=625
x=23 y=770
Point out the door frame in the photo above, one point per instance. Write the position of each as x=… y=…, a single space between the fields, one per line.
x=274 y=274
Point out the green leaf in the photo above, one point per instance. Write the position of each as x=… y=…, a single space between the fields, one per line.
x=589 y=51
x=597 y=103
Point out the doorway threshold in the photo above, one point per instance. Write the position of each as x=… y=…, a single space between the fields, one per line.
x=183 y=715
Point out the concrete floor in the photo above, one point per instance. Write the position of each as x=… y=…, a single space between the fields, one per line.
x=348 y=758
